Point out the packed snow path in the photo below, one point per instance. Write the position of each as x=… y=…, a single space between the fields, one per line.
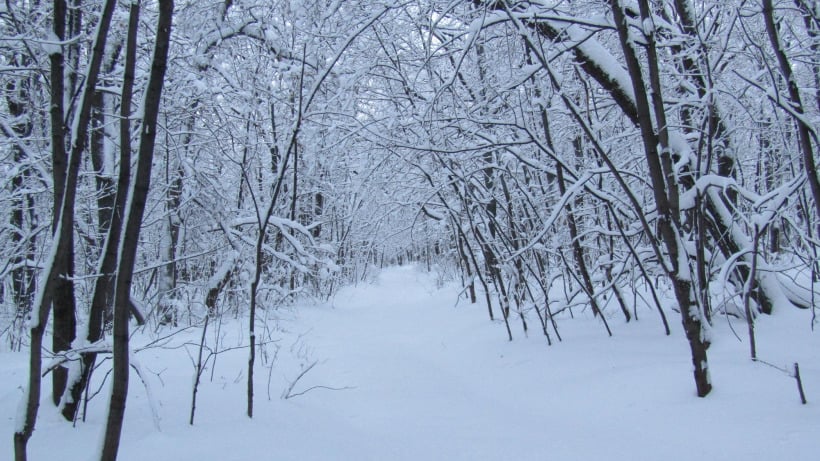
x=436 y=380
x=405 y=372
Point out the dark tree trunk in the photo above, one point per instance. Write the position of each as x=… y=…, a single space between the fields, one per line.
x=64 y=328
x=318 y=210
x=103 y=297
x=578 y=252
x=106 y=193
x=796 y=104
x=169 y=271
x=63 y=224
x=63 y=264
x=213 y=293
x=664 y=190
x=597 y=70
x=18 y=94
x=131 y=230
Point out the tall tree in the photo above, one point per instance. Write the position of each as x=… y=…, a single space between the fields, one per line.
x=132 y=221
x=51 y=276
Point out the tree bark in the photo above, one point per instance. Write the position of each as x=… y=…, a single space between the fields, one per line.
x=63 y=235
x=18 y=94
x=64 y=321
x=628 y=105
x=103 y=296
x=128 y=246
x=796 y=104
x=578 y=251
x=664 y=191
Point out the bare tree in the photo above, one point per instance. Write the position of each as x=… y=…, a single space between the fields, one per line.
x=102 y=298
x=134 y=210
x=49 y=279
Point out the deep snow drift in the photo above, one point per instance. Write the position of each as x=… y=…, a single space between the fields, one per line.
x=402 y=371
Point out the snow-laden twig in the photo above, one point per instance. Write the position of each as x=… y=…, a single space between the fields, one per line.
x=71 y=355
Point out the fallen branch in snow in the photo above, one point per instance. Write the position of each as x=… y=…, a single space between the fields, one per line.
x=149 y=393
x=318 y=387
x=288 y=393
x=62 y=357
x=163 y=341
x=105 y=347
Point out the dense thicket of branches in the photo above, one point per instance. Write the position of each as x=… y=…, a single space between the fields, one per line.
x=633 y=158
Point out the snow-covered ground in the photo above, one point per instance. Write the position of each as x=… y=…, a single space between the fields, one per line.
x=405 y=373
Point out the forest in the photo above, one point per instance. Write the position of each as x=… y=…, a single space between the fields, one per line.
x=175 y=167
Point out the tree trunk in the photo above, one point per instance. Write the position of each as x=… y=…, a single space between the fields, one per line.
x=796 y=104
x=63 y=264
x=578 y=252
x=105 y=184
x=167 y=312
x=50 y=276
x=128 y=246
x=102 y=300
x=18 y=94
x=664 y=182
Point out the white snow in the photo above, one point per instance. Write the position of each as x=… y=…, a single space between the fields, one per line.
x=52 y=45
x=422 y=377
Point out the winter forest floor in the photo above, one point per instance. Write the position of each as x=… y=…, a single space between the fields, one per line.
x=406 y=373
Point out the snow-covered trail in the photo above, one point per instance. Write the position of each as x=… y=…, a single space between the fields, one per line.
x=420 y=391
x=434 y=381
x=419 y=377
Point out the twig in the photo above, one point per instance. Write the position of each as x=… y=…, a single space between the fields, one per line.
x=287 y=394
x=795 y=375
x=319 y=387
x=198 y=371
x=270 y=369
x=799 y=383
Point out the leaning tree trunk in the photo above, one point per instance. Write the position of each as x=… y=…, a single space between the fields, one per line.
x=103 y=295
x=49 y=279
x=796 y=107
x=664 y=189
x=130 y=236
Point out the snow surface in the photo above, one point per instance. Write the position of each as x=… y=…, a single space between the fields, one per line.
x=425 y=378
